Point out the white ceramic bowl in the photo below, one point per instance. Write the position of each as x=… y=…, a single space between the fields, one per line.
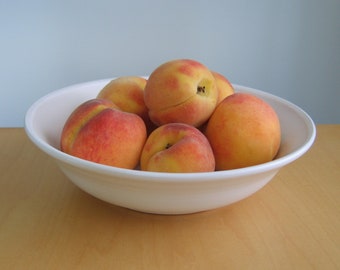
x=162 y=193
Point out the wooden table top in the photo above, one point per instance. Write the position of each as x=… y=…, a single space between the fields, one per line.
x=46 y=222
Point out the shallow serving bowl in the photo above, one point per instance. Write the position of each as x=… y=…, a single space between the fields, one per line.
x=163 y=193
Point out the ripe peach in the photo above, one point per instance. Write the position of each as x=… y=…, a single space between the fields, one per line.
x=127 y=93
x=182 y=91
x=224 y=87
x=244 y=130
x=97 y=131
x=177 y=147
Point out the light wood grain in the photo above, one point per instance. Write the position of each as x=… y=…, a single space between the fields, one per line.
x=48 y=223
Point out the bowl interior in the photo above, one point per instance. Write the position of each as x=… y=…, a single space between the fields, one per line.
x=46 y=117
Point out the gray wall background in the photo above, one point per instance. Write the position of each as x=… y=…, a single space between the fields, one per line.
x=288 y=48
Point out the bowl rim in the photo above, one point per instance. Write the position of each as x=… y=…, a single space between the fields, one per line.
x=164 y=176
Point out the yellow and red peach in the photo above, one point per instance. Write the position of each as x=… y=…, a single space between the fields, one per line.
x=100 y=132
x=177 y=147
x=181 y=91
x=224 y=87
x=127 y=93
x=244 y=130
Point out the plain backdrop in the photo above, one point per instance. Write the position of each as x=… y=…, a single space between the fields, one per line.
x=289 y=48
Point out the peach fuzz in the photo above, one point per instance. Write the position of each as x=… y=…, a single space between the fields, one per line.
x=97 y=131
x=243 y=131
x=177 y=148
x=182 y=91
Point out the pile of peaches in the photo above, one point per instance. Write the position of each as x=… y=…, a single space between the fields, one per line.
x=183 y=118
